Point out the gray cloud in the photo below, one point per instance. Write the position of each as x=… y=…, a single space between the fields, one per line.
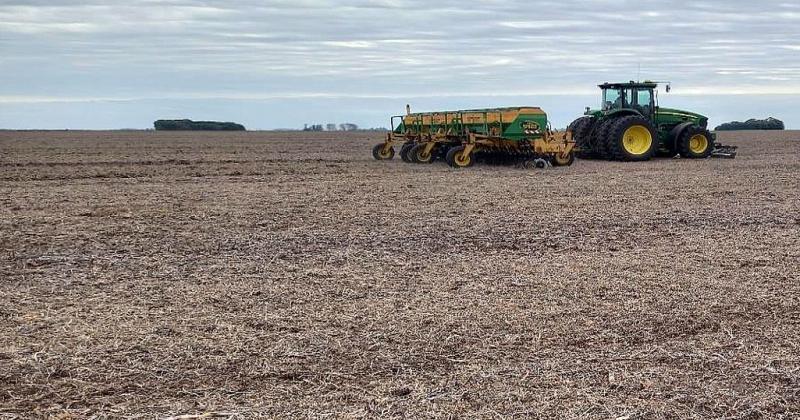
x=192 y=49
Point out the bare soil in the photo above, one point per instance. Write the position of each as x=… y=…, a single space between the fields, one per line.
x=290 y=275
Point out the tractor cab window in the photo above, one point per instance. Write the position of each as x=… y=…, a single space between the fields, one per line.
x=644 y=101
x=628 y=98
x=612 y=98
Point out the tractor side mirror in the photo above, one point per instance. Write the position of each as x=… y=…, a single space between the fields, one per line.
x=669 y=88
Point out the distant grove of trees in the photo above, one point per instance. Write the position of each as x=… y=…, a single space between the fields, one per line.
x=189 y=125
x=331 y=127
x=313 y=127
x=752 y=124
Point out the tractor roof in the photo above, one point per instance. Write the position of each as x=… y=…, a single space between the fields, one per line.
x=631 y=84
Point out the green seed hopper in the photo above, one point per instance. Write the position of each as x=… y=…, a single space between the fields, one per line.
x=458 y=137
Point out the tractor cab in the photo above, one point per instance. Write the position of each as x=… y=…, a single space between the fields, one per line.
x=639 y=97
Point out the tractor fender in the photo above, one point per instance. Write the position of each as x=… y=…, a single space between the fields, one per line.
x=676 y=132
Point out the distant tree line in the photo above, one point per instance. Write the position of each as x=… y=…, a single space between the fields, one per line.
x=752 y=124
x=189 y=125
x=331 y=127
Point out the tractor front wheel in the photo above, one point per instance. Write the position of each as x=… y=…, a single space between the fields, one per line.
x=695 y=143
x=381 y=152
x=457 y=158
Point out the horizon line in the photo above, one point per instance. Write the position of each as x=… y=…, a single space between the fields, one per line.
x=24 y=99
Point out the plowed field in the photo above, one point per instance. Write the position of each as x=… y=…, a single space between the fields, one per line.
x=149 y=274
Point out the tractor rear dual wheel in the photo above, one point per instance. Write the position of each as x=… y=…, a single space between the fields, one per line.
x=581 y=130
x=695 y=143
x=456 y=157
x=600 y=139
x=381 y=152
x=631 y=138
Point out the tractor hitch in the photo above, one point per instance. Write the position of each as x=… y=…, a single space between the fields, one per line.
x=724 y=151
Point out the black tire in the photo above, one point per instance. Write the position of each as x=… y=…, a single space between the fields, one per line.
x=404 y=151
x=695 y=142
x=637 y=151
x=581 y=132
x=440 y=151
x=456 y=159
x=415 y=154
x=378 y=153
x=600 y=139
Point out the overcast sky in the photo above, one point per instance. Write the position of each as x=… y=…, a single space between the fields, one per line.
x=270 y=64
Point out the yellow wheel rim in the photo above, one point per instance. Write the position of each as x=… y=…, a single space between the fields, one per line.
x=561 y=159
x=385 y=153
x=637 y=140
x=698 y=144
x=461 y=159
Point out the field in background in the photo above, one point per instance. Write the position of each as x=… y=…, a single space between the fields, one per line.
x=289 y=274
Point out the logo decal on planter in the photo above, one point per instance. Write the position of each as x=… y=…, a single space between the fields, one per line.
x=530 y=127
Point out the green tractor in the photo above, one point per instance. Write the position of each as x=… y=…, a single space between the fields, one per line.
x=631 y=126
